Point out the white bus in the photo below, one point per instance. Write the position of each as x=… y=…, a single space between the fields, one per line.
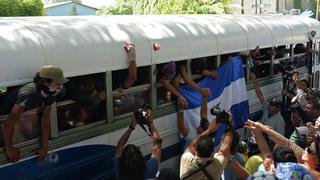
x=91 y=48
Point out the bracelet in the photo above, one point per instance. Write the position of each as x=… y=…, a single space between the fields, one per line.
x=131 y=127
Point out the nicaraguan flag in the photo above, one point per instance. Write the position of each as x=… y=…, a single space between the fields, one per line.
x=228 y=91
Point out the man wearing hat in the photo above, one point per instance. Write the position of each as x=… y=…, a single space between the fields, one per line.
x=271 y=112
x=42 y=92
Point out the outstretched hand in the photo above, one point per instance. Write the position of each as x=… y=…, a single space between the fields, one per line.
x=254 y=126
x=131 y=50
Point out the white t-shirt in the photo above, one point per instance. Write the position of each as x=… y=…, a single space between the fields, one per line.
x=276 y=122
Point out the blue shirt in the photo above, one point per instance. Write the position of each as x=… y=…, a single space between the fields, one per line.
x=228 y=172
x=150 y=170
x=288 y=171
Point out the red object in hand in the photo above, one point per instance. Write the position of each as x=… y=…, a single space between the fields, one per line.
x=156 y=47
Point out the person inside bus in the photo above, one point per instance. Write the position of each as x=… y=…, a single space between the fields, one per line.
x=172 y=74
x=203 y=67
x=198 y=161
x=271 y=112
x=129 y=163
x=126 y=80
x=42 y=92
x=90 y=102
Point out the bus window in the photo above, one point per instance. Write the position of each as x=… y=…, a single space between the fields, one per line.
x=281 y=58
x=133 y=98
x=300 y=61
x=26 y=128
x=226 y=57
x=317 y=79
x=83 y=102
x=262 y=59
x=169 y=71
x=300 y=56
x=201 y=67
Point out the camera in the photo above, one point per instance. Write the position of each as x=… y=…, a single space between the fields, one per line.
x=140 y=116
x=222 y=116
x=286 y=67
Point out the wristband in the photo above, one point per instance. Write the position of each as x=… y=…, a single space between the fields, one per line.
x=158 y=141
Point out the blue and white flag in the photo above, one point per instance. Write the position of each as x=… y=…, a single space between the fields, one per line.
x=228 y=91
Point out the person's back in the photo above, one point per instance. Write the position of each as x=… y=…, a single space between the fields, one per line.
x=190 y=163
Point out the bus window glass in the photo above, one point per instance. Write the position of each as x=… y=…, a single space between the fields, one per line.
x=135 y=97
x=317 y=79
x=83 y=102
x=300 y=61
x=171 y=73
x=26 y=128
x=281 y=60
x=202 y=67
x=227 y=57
x=262 y=59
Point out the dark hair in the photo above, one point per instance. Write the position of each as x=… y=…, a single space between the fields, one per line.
x=283 y=154
x=168 y=173
x=132 y=163
x=315 y=104
x=235 y=142
x=205 y=146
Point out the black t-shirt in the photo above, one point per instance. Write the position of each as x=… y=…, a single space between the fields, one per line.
x=27 y=97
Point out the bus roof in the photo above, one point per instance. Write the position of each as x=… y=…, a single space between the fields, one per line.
x=91 y=44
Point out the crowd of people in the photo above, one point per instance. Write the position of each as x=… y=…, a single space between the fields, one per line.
x=283 y=143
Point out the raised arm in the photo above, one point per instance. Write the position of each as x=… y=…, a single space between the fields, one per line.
x=204 y=107
x=277 y=138
x=257 y=88
x=211 y=129
x=15 y=114
x=190 y=82
x=239 y=170
x=262 y=144
x=180 y=123
x=45 y=128
x=132 y=69
x=157 y=141
x=124 y=138
x=181 y=100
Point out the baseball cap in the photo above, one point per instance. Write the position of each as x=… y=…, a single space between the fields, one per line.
x=54 y=73
x=275 y=102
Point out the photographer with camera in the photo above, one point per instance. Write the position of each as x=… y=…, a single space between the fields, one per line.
x=271 y=112
x=198 y=161
x=187 y=134
x=129 y=163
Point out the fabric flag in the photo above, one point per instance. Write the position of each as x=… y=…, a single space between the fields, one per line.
x=228 y=91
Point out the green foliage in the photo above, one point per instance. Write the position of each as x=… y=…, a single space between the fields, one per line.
x=21 y=8
x=123 y=7
x=74 y=10
x=297 y=4
x=315 y=8
x=167 y=7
